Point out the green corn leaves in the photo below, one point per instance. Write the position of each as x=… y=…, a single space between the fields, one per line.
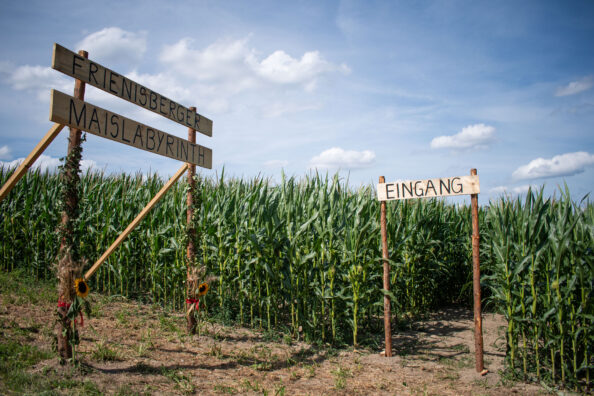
x=305 y=256
x=539 y=275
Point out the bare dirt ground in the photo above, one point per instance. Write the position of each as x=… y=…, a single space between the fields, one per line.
x=130 y=348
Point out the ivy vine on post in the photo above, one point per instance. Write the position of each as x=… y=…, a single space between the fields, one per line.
x=196 y=285
x=69 y=264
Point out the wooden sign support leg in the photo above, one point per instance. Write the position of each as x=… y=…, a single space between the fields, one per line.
x=387 y=307
x=191 y=253
x=28 y=162
x=476 y=283
x=136 y=221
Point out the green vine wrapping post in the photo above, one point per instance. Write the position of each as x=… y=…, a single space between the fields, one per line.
x=195 y=272
x=69 y=263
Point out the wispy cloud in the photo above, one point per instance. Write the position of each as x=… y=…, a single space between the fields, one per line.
x=575 y=87
x=47 y=163
x=560 y=165
x=113 y=44
x=5 y=153
x=227 y=68
x=470 y=137
x=39 y=80
x=235 y=58
x=276 y=163
x=280 y=68
x=283 y=108
x=505 y=190
x=337 y=157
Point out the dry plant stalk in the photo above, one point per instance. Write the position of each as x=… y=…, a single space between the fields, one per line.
x=195 y=273
x=68 y=270
x=194 y=280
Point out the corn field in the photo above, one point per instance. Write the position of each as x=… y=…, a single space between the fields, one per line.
x=540 y=264
x=304 y=257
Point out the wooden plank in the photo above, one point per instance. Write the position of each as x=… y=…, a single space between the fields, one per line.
x=191 y=285
x=385 y=256
x=137 y=220
x=476 y=284
x=26 y=164
x=440 y=187
x=70 y=111
x=86 y=70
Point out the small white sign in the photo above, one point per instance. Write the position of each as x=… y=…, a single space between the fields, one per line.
x=441 y=187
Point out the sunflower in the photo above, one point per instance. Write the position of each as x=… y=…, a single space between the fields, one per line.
x=202 y=289
x=81 y=287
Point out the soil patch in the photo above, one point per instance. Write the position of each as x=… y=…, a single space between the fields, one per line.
x=130 y=348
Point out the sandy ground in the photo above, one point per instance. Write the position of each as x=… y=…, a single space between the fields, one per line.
x=131 y=348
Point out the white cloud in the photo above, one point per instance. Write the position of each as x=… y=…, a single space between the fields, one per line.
x=575 y=87
x=560 y=165
x=278 y=109
x=113 y=44
x=276 y=163
x=40 y=80
x=281 y=68
x=235 y=65
x=337 y=157
x=470 y=137
x=505 y=190
x=4 y=153
x=47 y=163
x=163 y=83
x=221 y=60
x=217 y=74
x=209 y=78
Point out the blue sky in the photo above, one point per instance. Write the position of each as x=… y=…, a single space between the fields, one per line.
x=408 y=90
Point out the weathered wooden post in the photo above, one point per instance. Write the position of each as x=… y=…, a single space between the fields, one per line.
x=476 y=283
x=387 y=307
x=191 y=253
x=68 y=258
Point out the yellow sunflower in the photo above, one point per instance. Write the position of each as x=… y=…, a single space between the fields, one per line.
x=81 y=287
x=202 y=289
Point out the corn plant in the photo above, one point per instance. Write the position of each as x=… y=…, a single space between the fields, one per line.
x=305 y=255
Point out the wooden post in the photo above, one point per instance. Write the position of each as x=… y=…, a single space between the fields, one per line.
x=387 y=307
x=191 y=253
x=476 y=283
x=28 y=162
x=135 y=222
x=68 y=258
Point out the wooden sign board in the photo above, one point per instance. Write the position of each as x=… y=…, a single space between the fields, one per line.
x=66 y=110
x=86 y=70
x=459 y=185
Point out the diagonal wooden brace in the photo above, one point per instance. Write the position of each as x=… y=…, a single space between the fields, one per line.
x=28 y=162
x=136 y=221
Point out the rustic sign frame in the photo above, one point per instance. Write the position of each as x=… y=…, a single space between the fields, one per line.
x=88 y=118
x=412 y=189
x=90 y=72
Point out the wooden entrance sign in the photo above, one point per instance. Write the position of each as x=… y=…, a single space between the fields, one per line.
x=85 y=116
x=101 y=77
x=66 y=110
x=440 y=187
